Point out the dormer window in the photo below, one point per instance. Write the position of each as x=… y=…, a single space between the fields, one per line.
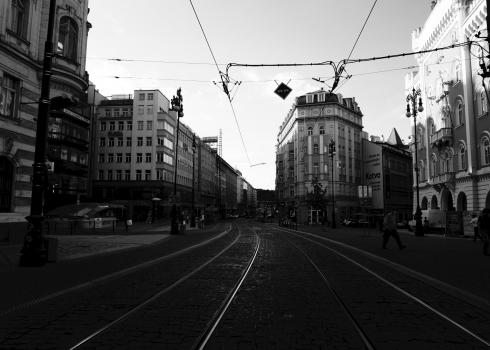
x=321 y=97
x=309 y=98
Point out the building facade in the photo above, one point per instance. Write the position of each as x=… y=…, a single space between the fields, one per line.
x=453 y=131
x=304 y=164
x=23 y=26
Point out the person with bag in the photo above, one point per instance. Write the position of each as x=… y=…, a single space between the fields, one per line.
x=389 y=229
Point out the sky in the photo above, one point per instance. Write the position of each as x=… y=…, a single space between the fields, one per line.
x=167 y=49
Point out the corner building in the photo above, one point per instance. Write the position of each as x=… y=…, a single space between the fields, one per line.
x=302 y=158
x=453 y=131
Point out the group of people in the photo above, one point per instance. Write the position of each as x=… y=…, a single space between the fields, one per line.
x=481 y=228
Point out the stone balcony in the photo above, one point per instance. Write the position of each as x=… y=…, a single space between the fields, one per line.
x=442 y=137
x=447 y=180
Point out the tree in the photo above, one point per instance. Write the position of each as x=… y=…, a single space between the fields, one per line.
x=317 y=199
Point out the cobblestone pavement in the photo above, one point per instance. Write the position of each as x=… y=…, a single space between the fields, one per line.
x=283 y=303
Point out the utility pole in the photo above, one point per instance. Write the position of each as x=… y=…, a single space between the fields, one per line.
x=34 y=252
x=193 y=217
x=331 y=149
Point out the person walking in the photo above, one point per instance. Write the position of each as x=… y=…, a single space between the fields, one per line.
x=474 y=221
x=484 y=229
x=389 y=229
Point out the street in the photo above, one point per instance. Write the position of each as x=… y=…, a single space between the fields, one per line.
x=244 y=285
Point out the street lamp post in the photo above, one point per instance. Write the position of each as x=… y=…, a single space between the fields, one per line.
x=193 y=214
x=179 y=108
x=412 y=100
x=34 y=250
x=331 y=151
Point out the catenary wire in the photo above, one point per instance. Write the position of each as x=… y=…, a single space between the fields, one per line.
x=362 y=29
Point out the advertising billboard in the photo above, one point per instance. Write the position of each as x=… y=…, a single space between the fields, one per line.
x=373 y=172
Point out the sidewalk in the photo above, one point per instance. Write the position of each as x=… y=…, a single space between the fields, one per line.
x=83 y=245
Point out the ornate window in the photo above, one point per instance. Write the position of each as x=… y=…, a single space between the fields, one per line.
x=462 y=156
x=315 y=149
x=9 y=91
x=460 y=113
x=20 y=16
x=483 y=102
x=310 y=130
x=322 y=130
x=457 y=70
x=68 y=38
x=485 y=150
x=433 y=166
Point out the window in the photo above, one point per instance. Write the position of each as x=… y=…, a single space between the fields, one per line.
x=101 y=174
x=149 y=110
x=160 y=141
x=149 y=125
x=315 y=149
x=462 y=157
x=147 y=174
x=433 y=166
x=108 y=113
x=139 y=157
x=148 y=157
x=125 y=112
x=112 y=126
x=103 y=126
x=322 y=130
x=141 y=96
x=128 y=141
x=119 y=158
x=168 y=127
x=111 y=141
x=141 y=109
x=8 y=96
x=129 y=125
x=168 y=143
x=19 y=19
x=460 y=113
x=101 y=157
x=149 y=141
x=316 y=169
x=68 y=38
x=110 y=158
x=159 y=124
x=118 y=175
x=127 y=175
x=116 y=112
x=139 y=142
x=483 y=103
x=120 y=126
x=102 y=142
x=160 y=174
x=150 y=96
x=309 y=98
x=128 y=157
x=485 y=147
x=109 y=175
x=160 y=157
x=138 y=174
x=457 y=71
x=310 y=130
x=168 y=159
x=140 y=125
x=120 y=142
x=291 y=191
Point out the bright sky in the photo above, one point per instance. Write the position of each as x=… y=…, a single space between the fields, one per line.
x=255 y=32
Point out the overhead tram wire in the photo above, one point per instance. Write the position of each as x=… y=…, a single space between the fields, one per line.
x=223 y=78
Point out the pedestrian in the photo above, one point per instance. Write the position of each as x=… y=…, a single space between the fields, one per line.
x=202 y=220
x=484 y=229
x=426 y=225
x=389 y=228
x=474 y=221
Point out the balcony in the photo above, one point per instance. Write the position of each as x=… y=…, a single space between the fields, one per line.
x=447 y=180
x=442 y=137
x=63 y=138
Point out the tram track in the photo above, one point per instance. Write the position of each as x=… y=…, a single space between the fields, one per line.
x=412 y=288
x=136 y=314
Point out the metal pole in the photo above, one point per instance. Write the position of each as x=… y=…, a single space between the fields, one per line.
x=177 y=106
x=332 y=153
x=34 y=251
x=193 y=217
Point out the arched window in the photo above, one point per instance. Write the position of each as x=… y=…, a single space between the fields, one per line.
x=315 y=149
x=462 y=156
x=310 y=130
x=485 y=150
x=322 y=130
x=425 y=203
x=483 y=102
x=68 y=38
x=457 y=70
x=19 y=17
x=433 y=166
x=460 y=113
x=422 y=171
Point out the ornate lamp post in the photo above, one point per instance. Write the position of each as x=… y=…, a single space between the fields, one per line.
x=331 y=151
x=412 y=100
x=34 y=250
x=179 y=108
